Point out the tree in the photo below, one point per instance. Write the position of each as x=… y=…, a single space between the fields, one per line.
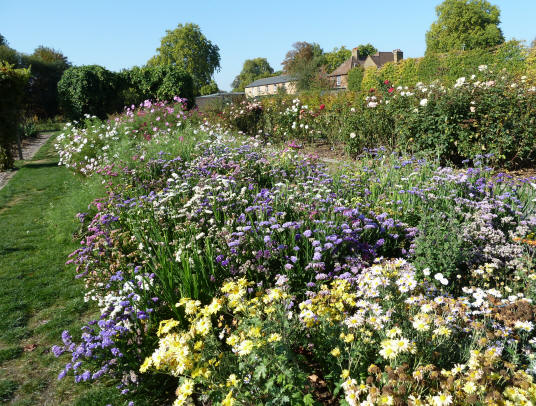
x=211 y=88
x=9 y=55
x=50 y=55
x=88 y=89
x=155 y=82
x=187 y=48
x=306 y=63
x=3 y=41
x=301 y=54
x=336 y=57
x=252 y=70
x=366 y=50
x=464 y=24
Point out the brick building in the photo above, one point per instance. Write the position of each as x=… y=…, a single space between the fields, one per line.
x=339 y=77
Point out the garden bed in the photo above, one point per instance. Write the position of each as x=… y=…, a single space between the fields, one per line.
x=228 y=272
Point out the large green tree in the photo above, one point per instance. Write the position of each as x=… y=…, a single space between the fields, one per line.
x=51 y=55
x=252 y=70
x=366 y=50
x=187 y=48
x=336 y=57
x=3 y=40
x=301 y=54
x=464 y=24
x=306 y=61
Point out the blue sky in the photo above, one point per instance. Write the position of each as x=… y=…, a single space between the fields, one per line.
x=119 y=34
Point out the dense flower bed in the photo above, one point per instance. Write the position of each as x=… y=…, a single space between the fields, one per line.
x=237 y=274
x=485 y=113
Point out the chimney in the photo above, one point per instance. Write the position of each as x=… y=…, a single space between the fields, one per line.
x=355 y=54
x=398 y=55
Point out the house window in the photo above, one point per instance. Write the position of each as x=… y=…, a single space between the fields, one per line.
x=339 y=81
x=275 y=88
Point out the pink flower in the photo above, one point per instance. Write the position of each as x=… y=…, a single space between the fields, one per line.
x=322 y=106
x=386 y=82
x=391 y=90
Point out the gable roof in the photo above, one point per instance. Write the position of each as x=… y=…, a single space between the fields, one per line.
x=350 y=63
x=272 y=80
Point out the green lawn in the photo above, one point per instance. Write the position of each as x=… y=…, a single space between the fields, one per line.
x=39 y=296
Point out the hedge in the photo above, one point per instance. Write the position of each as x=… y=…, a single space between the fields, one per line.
x=12 y=84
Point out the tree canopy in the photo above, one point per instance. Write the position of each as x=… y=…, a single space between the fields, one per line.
x=301 y=54
x=464 y=24
x=51 y=55
x=187 y=48
x=336 y=57
x=306 y=61
x=252 y=70
x=366 y=50
x=3 y=40
x=210 y=88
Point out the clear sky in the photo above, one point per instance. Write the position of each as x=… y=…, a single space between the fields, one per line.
x=119 y=34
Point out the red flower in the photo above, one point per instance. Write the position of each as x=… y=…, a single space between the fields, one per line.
x=386 y=82
x=372 y=90
x=322 y=106
x=391 y=90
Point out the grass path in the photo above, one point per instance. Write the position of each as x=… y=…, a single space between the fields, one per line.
x=39 y=296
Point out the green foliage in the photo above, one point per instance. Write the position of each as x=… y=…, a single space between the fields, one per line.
x=464 y=24
x=355 y=78
x=161 y=82
x=51 y=55
x=252 y=70
x=366 y=50
x=7 y=389
x=371 y=79
x=186 y=47
x=10 y=353
x=89 y=89
x=12 y=84
x=446 y=68
x=336 y=57
x=47 y=67
x=211 y=88
x=301 y=54
x=9 y=55
x=531 y=63
x=306 y=63
x=3 y=40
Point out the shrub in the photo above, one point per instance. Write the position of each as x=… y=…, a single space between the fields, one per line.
x=89 y=89
x=156 y=82
x=355 y=77
x=12 y=83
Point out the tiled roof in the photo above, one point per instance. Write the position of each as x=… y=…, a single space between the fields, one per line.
x=272 y=80
x=381 y=58
x=350 y=63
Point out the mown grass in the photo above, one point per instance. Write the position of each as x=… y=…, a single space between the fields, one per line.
x=39 y=297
